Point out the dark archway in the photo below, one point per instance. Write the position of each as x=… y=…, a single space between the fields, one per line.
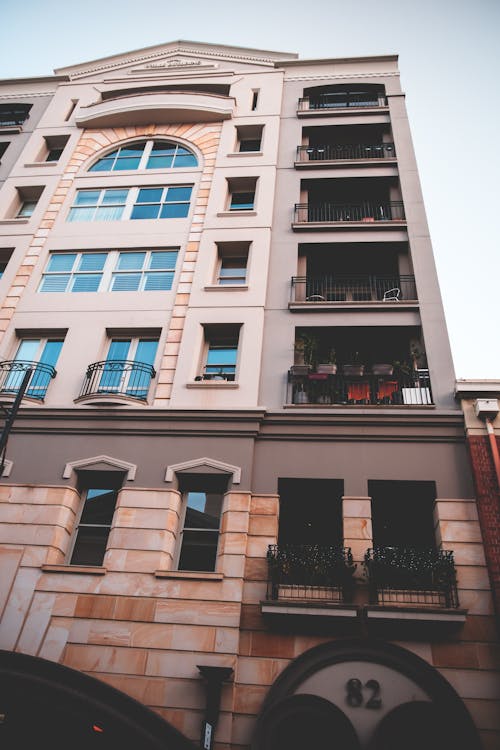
x=414 y=726
x=455 y=723
x=48 y=705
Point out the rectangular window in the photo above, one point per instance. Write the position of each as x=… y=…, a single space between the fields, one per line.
x=242 y=193
x=232 y=260
x=203 y=496
x=94 y=525
x=128 y=368
x=126 y=271
x=13 y=114
x=53 y=147
x=27 y=200
x=221 y=352
x=3 y=148
x=134 y=203
x=255 y=99
x=39 y=354
x=249 y=138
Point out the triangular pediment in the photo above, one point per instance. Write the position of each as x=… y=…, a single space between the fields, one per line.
x=174 y=58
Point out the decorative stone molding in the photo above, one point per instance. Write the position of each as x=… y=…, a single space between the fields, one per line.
x=210 y=463
x=116 y=463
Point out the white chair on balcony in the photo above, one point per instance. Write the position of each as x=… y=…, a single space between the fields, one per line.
x=392 y=295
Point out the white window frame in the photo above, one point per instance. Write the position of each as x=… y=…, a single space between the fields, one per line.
x=211 y=337
x=129 y=204
x=74 y=535
x=146 y=154
x=109 y=270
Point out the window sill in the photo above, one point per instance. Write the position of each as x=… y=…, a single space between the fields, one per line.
x=245 y=153
x=213 y=384
x=93 y=570
x=41 y=164
x=10 y=129
x=224 y=287
x=223 y=214
x=189 y=575
x=14 y=221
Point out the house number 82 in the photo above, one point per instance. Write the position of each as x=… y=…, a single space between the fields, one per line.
x=355 y=698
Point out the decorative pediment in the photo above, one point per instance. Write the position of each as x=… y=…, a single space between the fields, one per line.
x=101 y=463
x=175 y=64
x=199 y=465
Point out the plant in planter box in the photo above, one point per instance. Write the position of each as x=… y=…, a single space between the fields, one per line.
x=353 y=366
x=306 y=348
x=329 y=363
x=382 y=368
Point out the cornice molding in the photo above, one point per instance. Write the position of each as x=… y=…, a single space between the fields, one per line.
x=341 y=76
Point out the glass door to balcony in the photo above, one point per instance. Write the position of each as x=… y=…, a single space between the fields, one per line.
x=42 y=356
x=127 y=369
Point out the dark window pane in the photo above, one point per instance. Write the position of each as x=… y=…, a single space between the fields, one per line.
x=242 y=201
x=145 y=212
x=199 y=550
x=185 y=160
x=159 y=162
x=178 y=194
x=127 y=163
x=99 y=506
x=133 y=149
x=90 y=546
x=150 y=195
x=250 y=145
x=174 y=211
x=161 y=147
x=104 y=165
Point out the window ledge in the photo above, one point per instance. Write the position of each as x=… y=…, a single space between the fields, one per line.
x=189 y=575
x=41 y=164
x=108 y=399
x=236 y=213
x=416 y=614
x=10 y=129
x=93 y=570
x=14 y=221
x=245 y=153
x=224 y=287
x=212 y=384
x=309 y=609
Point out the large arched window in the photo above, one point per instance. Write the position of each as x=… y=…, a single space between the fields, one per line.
x=152 y=154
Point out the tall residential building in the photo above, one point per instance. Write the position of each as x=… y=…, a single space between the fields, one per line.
x=236 y=501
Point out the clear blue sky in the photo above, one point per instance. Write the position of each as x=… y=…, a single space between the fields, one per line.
x=449 y=59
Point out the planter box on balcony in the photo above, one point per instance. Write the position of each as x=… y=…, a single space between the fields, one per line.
x=327 y=369
x=300 y=369
x=353 y=370
x=382 y=369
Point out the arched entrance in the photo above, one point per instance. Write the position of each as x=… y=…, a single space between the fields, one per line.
x=387 y=696
x=47 y=705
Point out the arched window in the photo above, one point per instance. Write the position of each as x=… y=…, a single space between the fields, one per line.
x=153 y=154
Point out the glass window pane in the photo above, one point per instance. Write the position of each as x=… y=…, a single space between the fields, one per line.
x=174 y=211
x=90 y=546
x=145 y=212
x=114 y=197
x=61 y=262
x=133 y=149
x=185 y=160
x=87 y=197
x=163 y=260
x=131 y=261
x=126 y=282
x=126 y=163
x=51 y=352
x=99 y=506
x=149 y=195
x=81 y=214
x=103 y=165
x=178 y=194
x=242 y=201
x=146 y=351
x=118 y=349
x=163 y=148
x=28 y=350
x=199 y=550
x=203 y=510
x=88 y=282
x=108 y=213
x=92 y=261
x=159 y=162
x=158 y=282
x=56 y=283
x=222 y=356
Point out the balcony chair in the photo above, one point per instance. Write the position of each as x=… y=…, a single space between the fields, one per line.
x=392 y=295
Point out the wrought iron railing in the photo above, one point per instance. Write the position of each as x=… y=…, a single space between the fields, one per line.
x=13 y=116
x=12 y=374
x=364 y=211
x=118 y=377
x=342 y=100
x=306 y=387
x=310 y=571
x=401 y=575
x=345 y=152
x=352 y=288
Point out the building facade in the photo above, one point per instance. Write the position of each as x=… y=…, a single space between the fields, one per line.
x=238 y=447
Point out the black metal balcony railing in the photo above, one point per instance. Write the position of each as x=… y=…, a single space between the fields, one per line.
x=118 y=377
x=352 y=288
x=345 y=152
x=399 y=575
x=342 y=100
x=309 y=571
x=366 y=211
x=13 y=116
x=364 y=389
x=12 y=374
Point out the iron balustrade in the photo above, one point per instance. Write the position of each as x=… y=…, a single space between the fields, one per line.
x=402 y=575
x=342 y=100
x=310 y=571
x=304 y=388
x=13 y=115
x=119 y=377
x=351 y=288
x=345 y=152
x=12 y=374
x=365 y=211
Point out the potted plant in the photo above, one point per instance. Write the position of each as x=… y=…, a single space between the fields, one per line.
x=329 y=365
x=353 y=366
x=306 y=347
x=382 y=368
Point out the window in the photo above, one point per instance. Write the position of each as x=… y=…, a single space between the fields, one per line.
x=128 y=368
x=3 y=147
x=99 y=495
x=402 y=513
x=54 y=146
x=27 y=199
x=249 y=138
x=203 y=496
x=128 y=271
x=26 y=210
x=232 y=263
x=40 y=353
x=146 y=155
x=134 y=203
x=221 y=352
x=317 y=521
x=255 y=99
x=13 y=114
x=242 y=193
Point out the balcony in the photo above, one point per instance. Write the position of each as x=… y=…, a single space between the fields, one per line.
x=340 y=101
x=411 y=577
x=327 y=388
x=12 y=375
x=328 y=291
x=117 y=380
x=362 y=215
x=310 y=580
x=335 y=153
x=13 y=116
